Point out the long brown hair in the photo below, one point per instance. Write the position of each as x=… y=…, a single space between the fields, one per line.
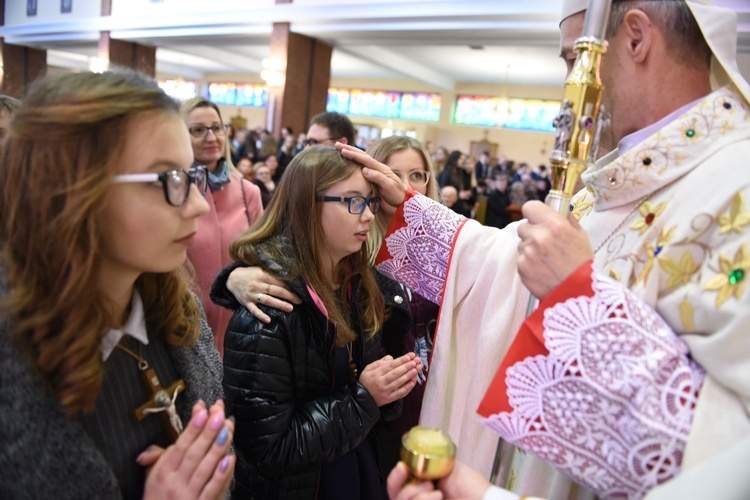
x=57 y=166
x=293 y=215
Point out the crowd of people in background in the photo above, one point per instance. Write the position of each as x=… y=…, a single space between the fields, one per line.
x=490 y=190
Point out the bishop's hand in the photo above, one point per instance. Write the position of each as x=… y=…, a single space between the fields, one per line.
x=390 y=187
x=551 y=248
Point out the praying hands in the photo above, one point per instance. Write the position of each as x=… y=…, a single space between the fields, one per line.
x=198 y=465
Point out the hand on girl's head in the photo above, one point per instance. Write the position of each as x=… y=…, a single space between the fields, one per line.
x=197 y=465
x=388 y=379
x=390 y=187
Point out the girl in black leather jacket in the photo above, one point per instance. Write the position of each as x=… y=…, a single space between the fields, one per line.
x=307 y=388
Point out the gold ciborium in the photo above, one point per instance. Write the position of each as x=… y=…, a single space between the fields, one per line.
x=429 y=453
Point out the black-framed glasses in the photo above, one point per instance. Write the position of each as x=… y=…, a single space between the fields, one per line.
x=201 y=131
x=176 y=182
x=315 y=142
x=416 y=178
x=356 y=204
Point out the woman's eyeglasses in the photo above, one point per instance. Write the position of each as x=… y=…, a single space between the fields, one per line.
x=176 y=182
x=416 y=178
x=355 y=204
x=201 y=131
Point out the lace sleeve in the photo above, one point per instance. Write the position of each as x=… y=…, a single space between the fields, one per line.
x=417 y=248
x=610 y=401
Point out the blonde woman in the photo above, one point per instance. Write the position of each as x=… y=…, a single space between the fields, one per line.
x=234 y=205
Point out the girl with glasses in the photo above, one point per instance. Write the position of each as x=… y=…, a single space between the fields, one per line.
x=234 y=205
x=405 y=156
x=308 y=387
x=409 y=160
x=110 y=381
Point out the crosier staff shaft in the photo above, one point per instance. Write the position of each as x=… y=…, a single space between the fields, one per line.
x=576 y=133
x=577 y=124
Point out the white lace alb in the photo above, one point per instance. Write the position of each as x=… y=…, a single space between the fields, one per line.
x=612 y=403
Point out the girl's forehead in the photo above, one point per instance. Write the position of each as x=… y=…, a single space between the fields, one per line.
x=355 y=182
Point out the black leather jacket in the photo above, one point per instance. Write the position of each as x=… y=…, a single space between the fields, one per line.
x=278 y=386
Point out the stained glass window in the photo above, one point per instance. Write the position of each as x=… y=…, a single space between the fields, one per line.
x=385 y=104
x=519 y=114
x=238 y=94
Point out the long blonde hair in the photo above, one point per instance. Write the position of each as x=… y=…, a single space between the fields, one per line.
x=57 y=168
x=382 y=151
x=293 y=217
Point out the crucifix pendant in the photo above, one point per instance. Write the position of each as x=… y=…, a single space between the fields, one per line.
x=162 y=401
x=352 y=370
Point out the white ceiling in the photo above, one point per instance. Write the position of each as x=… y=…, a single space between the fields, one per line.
x=427 y=41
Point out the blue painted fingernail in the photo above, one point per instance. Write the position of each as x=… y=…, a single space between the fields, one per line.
x=223 y=436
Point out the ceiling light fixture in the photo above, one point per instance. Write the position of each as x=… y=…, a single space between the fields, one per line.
x=98 y=64
x=273 y=72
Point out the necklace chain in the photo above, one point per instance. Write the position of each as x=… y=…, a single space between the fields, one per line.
x=622 y=222
x=142 y=363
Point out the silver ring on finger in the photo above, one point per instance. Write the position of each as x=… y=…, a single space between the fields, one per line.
x=259 y=300
x=268 y=287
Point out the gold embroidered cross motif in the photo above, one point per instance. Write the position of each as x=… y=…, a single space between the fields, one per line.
x=679 y=273
x=649 y=214
x=731 y=279
x=580 y=207
x=737 y=218
x=653 y=250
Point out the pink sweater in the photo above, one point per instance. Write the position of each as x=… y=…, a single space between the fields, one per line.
x=209 y=253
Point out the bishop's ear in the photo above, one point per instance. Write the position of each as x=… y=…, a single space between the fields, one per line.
x=640 y=32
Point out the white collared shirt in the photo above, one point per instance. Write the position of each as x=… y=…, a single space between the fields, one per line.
x=135 y=327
